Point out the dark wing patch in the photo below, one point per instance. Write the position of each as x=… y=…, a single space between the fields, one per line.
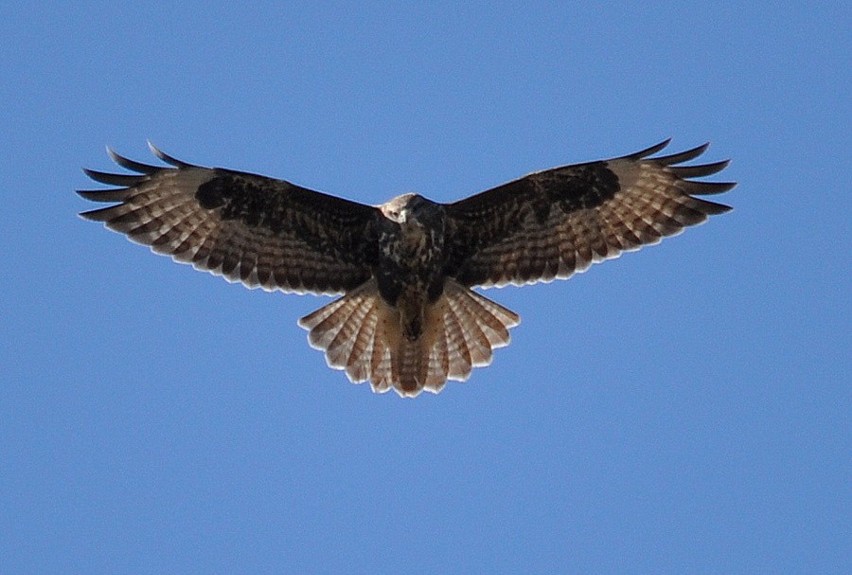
x=554 y=223
x=260 y=231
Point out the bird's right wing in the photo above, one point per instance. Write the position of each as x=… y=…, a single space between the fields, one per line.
x=260 y=231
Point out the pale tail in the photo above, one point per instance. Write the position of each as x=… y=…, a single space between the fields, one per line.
x=361 y=334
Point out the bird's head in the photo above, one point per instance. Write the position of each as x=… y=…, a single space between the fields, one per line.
x=403 y=209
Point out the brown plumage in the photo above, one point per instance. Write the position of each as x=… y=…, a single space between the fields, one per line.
x=408 y=319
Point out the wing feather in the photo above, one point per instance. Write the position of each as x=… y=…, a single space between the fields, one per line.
x=248 y=228
x=557 y=222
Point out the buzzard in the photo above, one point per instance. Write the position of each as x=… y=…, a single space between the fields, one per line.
x=408 y=319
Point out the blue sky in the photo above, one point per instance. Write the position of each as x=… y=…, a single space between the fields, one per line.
x=681 y=409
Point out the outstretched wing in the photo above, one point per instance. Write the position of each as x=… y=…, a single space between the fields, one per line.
x=554 y=223
x=248 y=228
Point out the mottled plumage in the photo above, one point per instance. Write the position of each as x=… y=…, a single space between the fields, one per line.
x=408 y=319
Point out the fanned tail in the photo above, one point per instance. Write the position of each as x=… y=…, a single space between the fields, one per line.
x=361 y=334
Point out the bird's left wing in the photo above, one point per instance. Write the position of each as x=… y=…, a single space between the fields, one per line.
x=554 y=223
x=260 y=231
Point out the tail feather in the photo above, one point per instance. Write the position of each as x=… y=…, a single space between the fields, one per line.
x=439 y=363
x=342 y=346
x=457 y=348
x=358 y=362
x=494 y=319
x=475 y=340
x=413 y=367
x=361 y=334
x=328 y=321
x=381 y=365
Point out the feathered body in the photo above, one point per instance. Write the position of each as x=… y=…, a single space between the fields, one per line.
x=408 y=319
x=411 y=327
x=410 y=270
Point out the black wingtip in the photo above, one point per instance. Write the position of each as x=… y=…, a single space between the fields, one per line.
x=700 y=170
x=98 y=215
x=167 y=158
x=713 y=208
x=648 y=151
x=131 y=165
x=707 y=188
x=112 y=179
x=113 y=195
x=684 y=156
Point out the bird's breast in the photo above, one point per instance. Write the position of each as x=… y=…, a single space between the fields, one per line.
x=411 y=261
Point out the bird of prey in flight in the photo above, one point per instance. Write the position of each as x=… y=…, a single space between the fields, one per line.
x=408 y=318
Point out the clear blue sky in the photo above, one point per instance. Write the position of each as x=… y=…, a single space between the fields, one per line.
x=681 y=409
